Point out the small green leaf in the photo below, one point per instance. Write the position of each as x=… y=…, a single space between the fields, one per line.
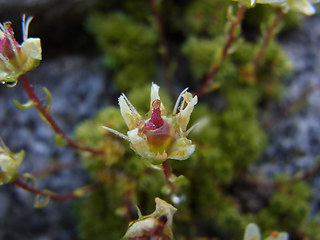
x=81 y=191
x=49 y=98
x=41 y=200
x=60 y=141
x=23 y=106
x=29 y=179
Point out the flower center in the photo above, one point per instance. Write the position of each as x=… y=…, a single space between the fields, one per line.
x=158 y=132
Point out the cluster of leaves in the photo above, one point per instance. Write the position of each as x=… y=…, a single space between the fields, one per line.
x=209 y=204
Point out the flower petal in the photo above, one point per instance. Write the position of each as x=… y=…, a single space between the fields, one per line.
x=181 y=149
x=175 y=109
x=183 y=116
x=32 y=48
x=154 y=96
x=139 y=144
x=304 y=7
x=137 y=228
x=129 y=113
x=164 y=208
x=252 y=232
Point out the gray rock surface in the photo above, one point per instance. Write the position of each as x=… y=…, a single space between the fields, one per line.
x=78 y=87
x=294 y=140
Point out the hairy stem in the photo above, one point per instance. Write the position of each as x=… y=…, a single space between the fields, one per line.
x=46 y=114
x=230 y=39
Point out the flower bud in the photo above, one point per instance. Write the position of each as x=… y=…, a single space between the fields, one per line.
x=9 y=163
x=154 y=226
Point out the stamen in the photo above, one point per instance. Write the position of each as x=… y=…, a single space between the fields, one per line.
x=182 y=105
x=203 y=122
x=175 y=109
x=25 y=26
x=116 y=133
x=192 y=128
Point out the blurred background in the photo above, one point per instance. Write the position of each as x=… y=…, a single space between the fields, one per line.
x=94 y=50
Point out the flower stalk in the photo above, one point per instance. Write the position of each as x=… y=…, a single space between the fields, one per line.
x=168 y=173
x=230 y=39
x=46 y=114
x=20 y=183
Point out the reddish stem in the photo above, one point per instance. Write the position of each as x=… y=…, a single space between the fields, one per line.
x=31 y=94
x=168 y=173
x=267 y=38
x=231 y=37
x=128 y=204
x=18 y=182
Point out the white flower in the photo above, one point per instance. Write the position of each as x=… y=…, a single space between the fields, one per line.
x=252 y=232
x=16 y=59
x=154 y=226
x=302 y=6
x=160 y=136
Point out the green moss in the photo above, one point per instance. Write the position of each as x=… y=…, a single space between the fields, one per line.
x=288 y=208
x=278 y=66
x=130 y=55
x=228 y=145
x=202 y=16
x=202 y=53
x=97 y=216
